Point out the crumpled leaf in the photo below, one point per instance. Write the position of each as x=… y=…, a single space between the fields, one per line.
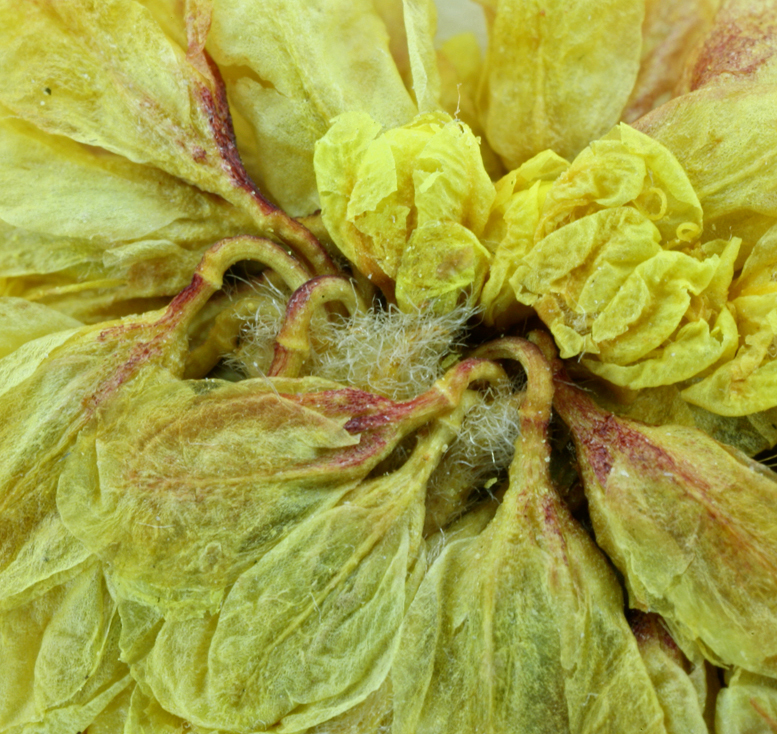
x=681 y=686
x=670 y=33
x=59 y=656
x=557 y=75
x=334 y=589
x=520 y=626
x=290 y=70
x=747 y=705
x=378 y=190
x=78 y=221
x=689 y=522
x=153 y=102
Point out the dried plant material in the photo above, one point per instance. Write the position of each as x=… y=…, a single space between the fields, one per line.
x=154 y=103
x=52 y=388
x=136 y=712
x=79 y=220
x=626 y=168
x=389 y=352
x=383 y=193
x=733 y=177
x=477 y=458
x=460 y=63
x=386 y=352
x=336 y=587
x=509 y=233
x=151 y=495
x=747 y=705
x=420 y=21
x=658 y=406
x=443 y=266
x=689 y=522
x=520 y=626
x=290 y=71
x=557 y=75
x=22 y=322
x=681 y=687
x=746 y=384
x=614 y=276
x=59 y=656
x=738 y=47
x=670 y=33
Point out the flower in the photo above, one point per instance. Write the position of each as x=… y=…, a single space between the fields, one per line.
x=267 y=462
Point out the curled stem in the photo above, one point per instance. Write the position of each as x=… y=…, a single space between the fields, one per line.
x=534 y=413
x=222 y=338
x=443 y=397
x=209 y=275
x=292 y=347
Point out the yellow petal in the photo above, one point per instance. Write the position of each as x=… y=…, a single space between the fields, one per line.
x=442 y=266
x=290 y=71
x=557 y=75
x=376 y=189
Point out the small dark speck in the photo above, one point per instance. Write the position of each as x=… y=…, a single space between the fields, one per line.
x=47 y=90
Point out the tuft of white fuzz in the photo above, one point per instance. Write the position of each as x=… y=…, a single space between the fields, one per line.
x=254 y=355
x=478 y=458
x=486 y=442
x=387 y=351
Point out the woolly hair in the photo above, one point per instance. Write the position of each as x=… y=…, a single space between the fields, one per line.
x=477 y=458
x=387 y=351
x=257 y=335
x=383 y=351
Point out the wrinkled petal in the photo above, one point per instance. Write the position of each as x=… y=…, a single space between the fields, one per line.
x=291 y=69
x=380 y=191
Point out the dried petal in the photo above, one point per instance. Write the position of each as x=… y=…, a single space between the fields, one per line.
x=151 y=102
x=739 y=47
x=733 y=178
x=748 y=704
x=557 y=75
x=689 y=522
x=670 y=33
x=290 y=70
x=60 y=657
x=378 y=191
x=336 y=587
x=520 y=625
x=681 y=687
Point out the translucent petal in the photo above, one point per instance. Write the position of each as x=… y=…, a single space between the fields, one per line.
x=557 y=75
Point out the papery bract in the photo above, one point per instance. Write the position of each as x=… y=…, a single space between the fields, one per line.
x=516 y=624
x=690 y=523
